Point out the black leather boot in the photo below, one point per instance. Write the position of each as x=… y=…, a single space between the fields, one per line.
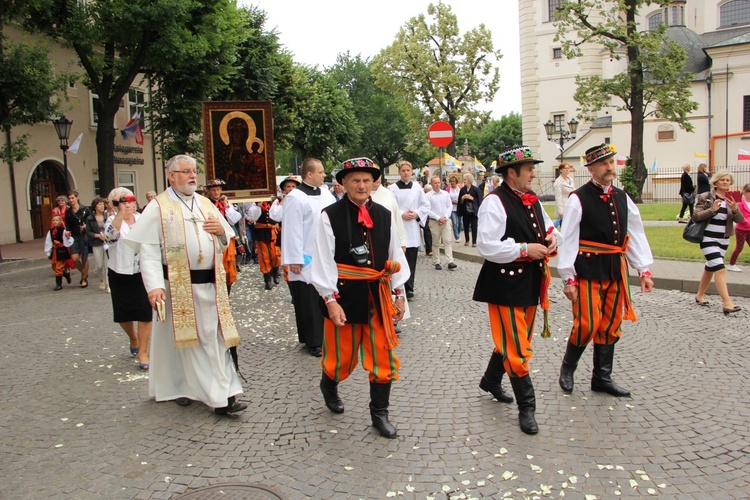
x=379 y=401
x=66 y=275
x=276 y=274
x=267 y=280
x=330 y=391
x=570 y=363
x=492 y=380
x=232 y=407
x=601 y=381
x=58 y=283
x=524 y=391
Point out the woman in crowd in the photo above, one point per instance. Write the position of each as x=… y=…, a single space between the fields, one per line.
x=95 y=231
x=456 y=221
x=562 y=188
x=469 y=199
x=129 y=298
x=687 y=193
x=721 y=213
x=742 y=231
x=703 y=175
x=62 y=206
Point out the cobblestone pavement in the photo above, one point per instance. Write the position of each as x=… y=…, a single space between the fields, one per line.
x=77 y=420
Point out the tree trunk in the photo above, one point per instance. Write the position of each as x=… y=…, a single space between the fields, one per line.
x=451 y=149
x=105 y=151
x=635 y=72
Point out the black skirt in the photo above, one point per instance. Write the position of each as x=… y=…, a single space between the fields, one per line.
x=129 y=298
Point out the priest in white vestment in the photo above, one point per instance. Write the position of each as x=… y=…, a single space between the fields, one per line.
x=181 y=236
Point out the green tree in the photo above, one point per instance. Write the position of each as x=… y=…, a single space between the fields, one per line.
x=384 y=126
x=116 y=40
x=432 y=65
x=493 y=137
x=27 y=86
x=655 y=82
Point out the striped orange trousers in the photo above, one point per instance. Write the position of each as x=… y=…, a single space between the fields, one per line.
x=597 y=313
x=268 y=255
x=512 y=329
x=341 y=344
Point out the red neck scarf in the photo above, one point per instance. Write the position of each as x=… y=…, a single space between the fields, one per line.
x=528 y=199
x=364 y=217
x=221 y=206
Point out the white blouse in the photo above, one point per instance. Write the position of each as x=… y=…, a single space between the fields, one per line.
x=122 y=258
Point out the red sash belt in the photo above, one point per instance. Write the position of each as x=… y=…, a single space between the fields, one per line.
x=605 y=249
x=387 y=308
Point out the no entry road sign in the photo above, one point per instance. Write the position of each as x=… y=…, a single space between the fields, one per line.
x=440 y=134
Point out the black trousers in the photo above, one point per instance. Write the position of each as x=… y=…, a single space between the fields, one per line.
x=470 y=225
x=307 y=313
x=411 y=257
x=684 y=206
x=427 y=238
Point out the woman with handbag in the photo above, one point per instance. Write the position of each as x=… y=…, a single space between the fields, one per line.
x=721 y=212
x=687 y=193
x=469 y=199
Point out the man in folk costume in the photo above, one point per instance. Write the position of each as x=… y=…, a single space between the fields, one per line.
x=516 y=237
x=264 y=235
x=603 y=232
x=181 y=236
x=359 y=269
x=300 y=218
x=414 y=208
x=229 y=258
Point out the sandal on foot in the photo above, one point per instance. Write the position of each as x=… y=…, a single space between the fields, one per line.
x=701 y=302
x=84 y=283
x=134 y=351
x=144 y=366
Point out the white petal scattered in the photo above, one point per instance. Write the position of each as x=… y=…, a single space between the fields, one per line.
x=480 y=483
x=79 y=425
x=564 y=485
x=410 y=488
x=521 y=490
x=348 y=468
x=546 y=489
x=503 y=451
x=618 y=493
x=640 y=471
x=651 y=491
x=573 y=479
x=59 y=445
x=629 y=406
x=333 y=431
x=507 y=475
x=536 y=468
x=466 y=482
x=590 y=497
x=391 y=494
x=415 y=448
x=490 y=476
x=619 y=467
x=529 y=457
x=645 y=477
x=144 y=463
x=446 y=488
x=662 y=485
x=64 y=419
x=167 y=479
x=633 y=483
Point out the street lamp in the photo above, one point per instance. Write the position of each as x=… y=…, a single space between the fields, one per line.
x=62 y=127
x=565 y=135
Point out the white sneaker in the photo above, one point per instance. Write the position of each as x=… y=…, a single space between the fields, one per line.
x=734 y=268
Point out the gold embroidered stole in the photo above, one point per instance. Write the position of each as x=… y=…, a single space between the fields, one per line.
x=178 y=274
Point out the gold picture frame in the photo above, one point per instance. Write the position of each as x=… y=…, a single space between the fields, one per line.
x=238 y=148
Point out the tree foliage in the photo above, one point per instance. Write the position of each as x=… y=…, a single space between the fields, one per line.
x=443 y=72
x=384 y=130
x=488 y=140
x=655 y=82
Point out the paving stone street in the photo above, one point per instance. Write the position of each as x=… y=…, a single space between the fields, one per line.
x=76 y=419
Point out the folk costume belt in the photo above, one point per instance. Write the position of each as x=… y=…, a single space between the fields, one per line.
x=387 y=308
x=544 y=290
x=604 y=249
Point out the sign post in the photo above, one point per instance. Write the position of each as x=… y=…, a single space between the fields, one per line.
x=440 y=134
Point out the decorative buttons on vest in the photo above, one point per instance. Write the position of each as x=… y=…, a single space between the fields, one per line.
x=520 y=270
x=502 y=271
x=511 y=273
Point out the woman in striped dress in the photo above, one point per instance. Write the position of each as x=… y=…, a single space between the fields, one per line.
x=721 y=213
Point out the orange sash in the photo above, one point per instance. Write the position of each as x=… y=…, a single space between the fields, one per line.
x=387 y=308
x=544 y=290
x=605 y=249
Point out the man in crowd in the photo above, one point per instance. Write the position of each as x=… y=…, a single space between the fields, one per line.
x=300 y=217
x=440 y=223
x=413 y=207
x=213 y=190
x=603 y=231
x=359 y=269
x=75 y=225
x=338 y=190
x=265 y=234
x=516 y=237
x=186 y=285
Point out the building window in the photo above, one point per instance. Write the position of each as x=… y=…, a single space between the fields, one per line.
x=557 y=53
x=126 y=179
x=734 y=13
x=559 y=121
x=665 y=133
x=746 y=114
x=674 y=15
x=94 y=117
x=136 y=101
x=553 y=5
x=654 y=20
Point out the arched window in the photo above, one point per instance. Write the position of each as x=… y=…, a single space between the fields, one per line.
x=654 y=20
x=734 y=13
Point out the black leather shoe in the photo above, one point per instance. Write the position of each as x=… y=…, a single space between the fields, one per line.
x=452 y=265
x=438 y=267
x=496 y=391
x=329 y=388
x=315 y=351
x=235 y=407
x=57 y=287
x=409 y=295
x=183 y=401
x=66 y=275
x=396 y=328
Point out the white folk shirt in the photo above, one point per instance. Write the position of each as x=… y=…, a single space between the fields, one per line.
x=491 y=229
x=412 y=199
x=440 y=204
x=638 y=253
x=382 y=196
x=122 y=258
x=276 y=210
x=300 y=222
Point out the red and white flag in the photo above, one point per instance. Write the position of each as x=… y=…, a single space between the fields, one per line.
x=134 y=127
x=743 y=155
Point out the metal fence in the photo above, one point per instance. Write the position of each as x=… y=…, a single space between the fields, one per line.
x=661 y=186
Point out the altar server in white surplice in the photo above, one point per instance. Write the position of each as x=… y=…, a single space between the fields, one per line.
x=413 y=207
x=181 y=237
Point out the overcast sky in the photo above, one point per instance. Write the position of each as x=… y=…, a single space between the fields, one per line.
x=317 y=31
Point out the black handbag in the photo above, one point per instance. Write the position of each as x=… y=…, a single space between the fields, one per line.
x=688 y=198
x=693 y=232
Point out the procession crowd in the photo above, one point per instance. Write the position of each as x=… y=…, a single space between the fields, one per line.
x=349 y=257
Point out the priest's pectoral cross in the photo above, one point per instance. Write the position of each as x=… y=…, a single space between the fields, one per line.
x=197 y=236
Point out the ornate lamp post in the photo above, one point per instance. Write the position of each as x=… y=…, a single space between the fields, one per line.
x=62 y=127
x=564 y=135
